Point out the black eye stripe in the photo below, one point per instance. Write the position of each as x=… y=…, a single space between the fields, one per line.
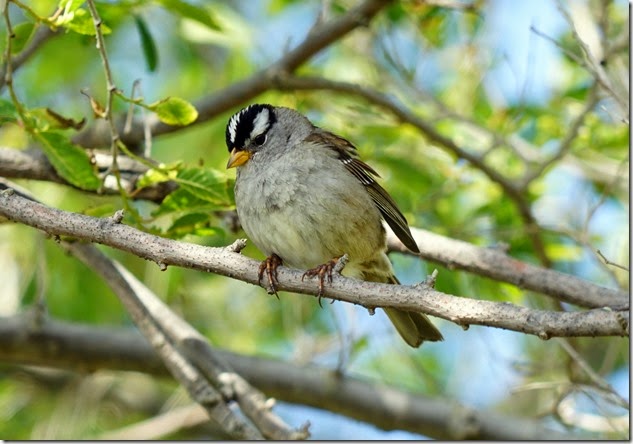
x=247 y=124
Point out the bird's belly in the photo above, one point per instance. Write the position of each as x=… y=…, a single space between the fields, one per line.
x=289 y=233
x=306 y=217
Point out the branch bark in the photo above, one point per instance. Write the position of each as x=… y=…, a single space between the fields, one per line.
x=451 y=253
x=238 y=93
x=496 y=264
x=188 y=356
x=85 y=348
x=227 y=262
x=32 y=164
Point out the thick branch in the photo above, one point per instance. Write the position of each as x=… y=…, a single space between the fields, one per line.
x=84 y=348
x=496 y=264
x=208 y=107
x=227 y=262
x=489 y=262
x=33 y=164
x=127 y=289
x=189 y=357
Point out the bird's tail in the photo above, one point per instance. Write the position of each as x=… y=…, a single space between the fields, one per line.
x=414 y=327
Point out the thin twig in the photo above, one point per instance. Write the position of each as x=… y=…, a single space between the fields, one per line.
x=8 y=64
x=598 y=380
x=565 y=145
x=41 y=36
x=110 y=86
x=608 y=262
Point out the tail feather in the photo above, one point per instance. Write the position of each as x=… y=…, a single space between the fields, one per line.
x=415 y=328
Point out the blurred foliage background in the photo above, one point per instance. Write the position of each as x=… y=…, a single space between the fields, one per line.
x=500 y=77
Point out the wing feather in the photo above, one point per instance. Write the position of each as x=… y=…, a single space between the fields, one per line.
x=365 y=174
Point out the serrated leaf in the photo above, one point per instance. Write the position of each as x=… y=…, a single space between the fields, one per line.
x=70 y=161
x=205 y=184
x=183 y=201
x=147 y=43
x=193 y=12
x=174 y=111
x=200 y=191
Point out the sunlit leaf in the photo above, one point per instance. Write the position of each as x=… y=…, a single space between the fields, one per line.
x=157 y=175
x=564 y=252
x=79 y=21
x=174 y=111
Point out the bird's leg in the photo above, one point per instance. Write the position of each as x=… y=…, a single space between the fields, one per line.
x=269 y=266
x=322 y=271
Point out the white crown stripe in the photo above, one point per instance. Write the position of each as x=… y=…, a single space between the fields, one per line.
x=260 y=124
x=233 y=126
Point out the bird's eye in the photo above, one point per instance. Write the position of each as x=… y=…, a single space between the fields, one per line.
x=260 y=140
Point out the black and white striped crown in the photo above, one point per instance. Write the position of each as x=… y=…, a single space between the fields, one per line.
x=247 y=124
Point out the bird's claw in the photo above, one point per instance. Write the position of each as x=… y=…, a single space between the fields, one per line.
x=322 y=271
x=269 y=266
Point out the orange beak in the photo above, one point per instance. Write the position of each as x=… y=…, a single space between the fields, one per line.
x=238 y=158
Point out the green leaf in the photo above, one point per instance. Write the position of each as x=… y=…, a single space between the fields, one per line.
x=192 y=223
x=200 y=190
x=70 y=5
x=205 y=184
x=158 y=175
x=147 y=43
x=79 y=21
x=22 y=33
x=45 y=119
x=564 y=252
x=193 y=12
x=8 y=113
x=174 y=111
x=70 y=161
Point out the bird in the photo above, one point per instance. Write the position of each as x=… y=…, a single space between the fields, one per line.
x=305 y=199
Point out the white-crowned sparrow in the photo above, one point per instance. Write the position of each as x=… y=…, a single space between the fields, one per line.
x=305 y=199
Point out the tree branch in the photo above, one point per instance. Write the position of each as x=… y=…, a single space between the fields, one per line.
x=227 y=262
x=488 y=262
x=208 y=107
x=33 y=164
x=85 y=348
x=496 y=264
x=187 y=354
x=183 y=371
x=515 y=193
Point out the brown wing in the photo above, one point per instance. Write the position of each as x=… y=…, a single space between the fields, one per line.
x=365 y=174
